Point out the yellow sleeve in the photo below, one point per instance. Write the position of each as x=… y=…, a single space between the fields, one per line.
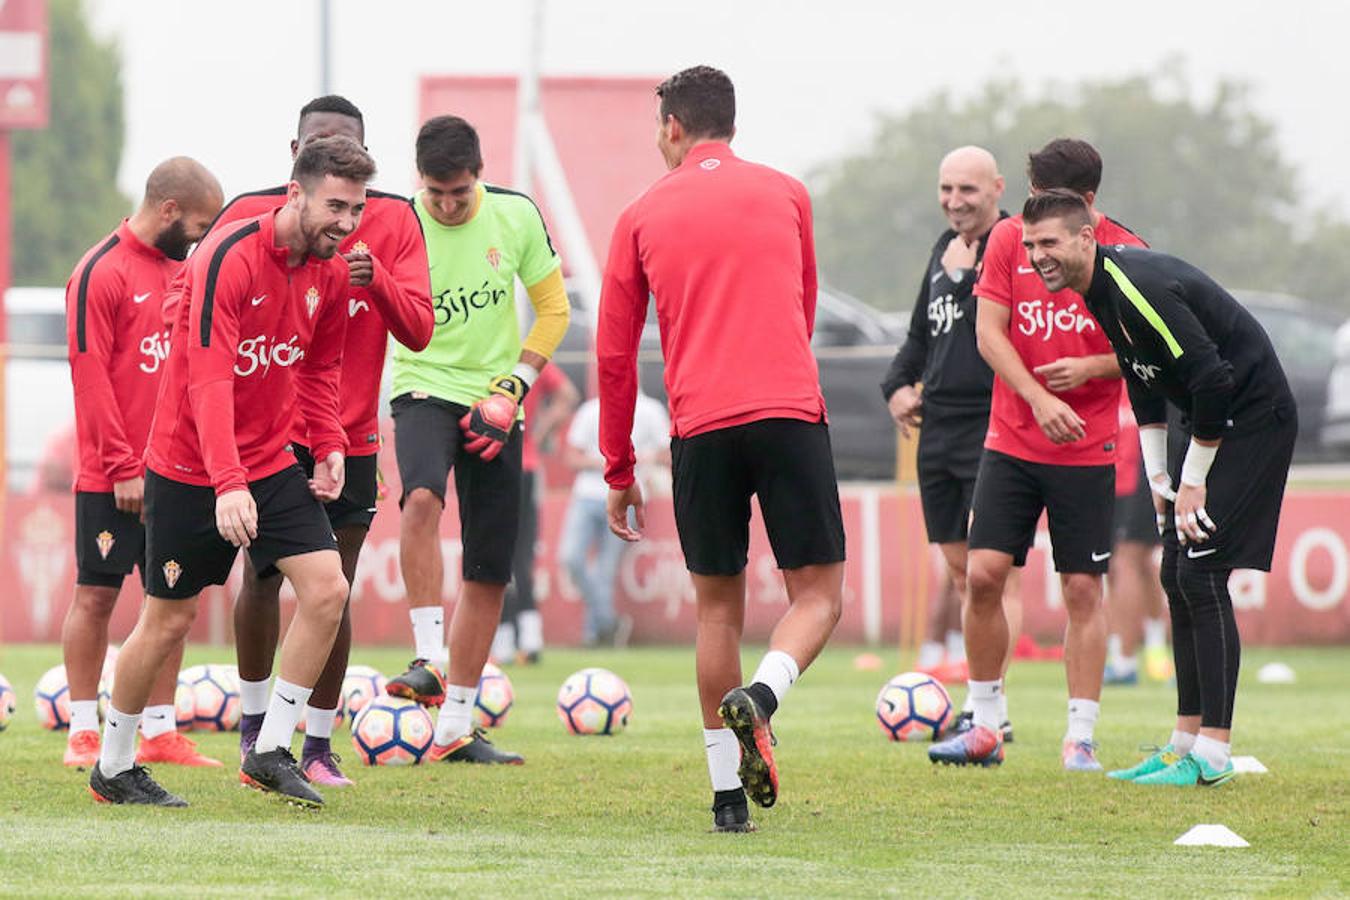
x=552 y=313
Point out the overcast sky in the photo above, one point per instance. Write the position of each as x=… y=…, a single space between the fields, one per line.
x=222 y=82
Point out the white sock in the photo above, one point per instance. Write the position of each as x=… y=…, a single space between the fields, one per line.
x=456 y=718
x=319 y=722
x=969 y=705
x=1115 y=648
x=1182 y=742
x=1002 y=707
x=930 y=655
x=1214 y=752
x=118 y=753
x=504 y=643
x=1082 y=719
x=724 y=758
x=530 y=631
x=428 y=624
x=956 y=646
x=253 y=696
x=1155 y=633
x=283 y=714
x=984 y=696
x=777 y=670
x=83 y=715
x=157 y=720
x=1126 y=664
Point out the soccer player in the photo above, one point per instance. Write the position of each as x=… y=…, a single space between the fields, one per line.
x=259 y=332
x=457 y=404
x=117 y=343
x=726 y=247
x=387 y=260
x=941 y=352
x=1051 y=445
x=1218 y=477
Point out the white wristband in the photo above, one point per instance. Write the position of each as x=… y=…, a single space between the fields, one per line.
x=1196 y=467
x=1153 y=446
x=525 y=372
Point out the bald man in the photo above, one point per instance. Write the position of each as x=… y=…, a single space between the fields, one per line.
x=117 y=345
x=940 y=352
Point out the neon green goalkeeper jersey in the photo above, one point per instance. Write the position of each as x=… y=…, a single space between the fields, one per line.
x=473 y=271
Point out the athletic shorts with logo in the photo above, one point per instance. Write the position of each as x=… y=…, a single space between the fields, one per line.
x=109 y=543
x=1136 y=519
x=429 y=444
x=1243 y=495
x=185 y=552
x=360 y=489
x=787 y=464
x=1078 y=501
x=950 y=447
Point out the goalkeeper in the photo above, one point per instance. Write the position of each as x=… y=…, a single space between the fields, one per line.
x=457 y=405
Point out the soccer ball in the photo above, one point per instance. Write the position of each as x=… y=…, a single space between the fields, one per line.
x=185 y=703
x=594 y=701
x=913 y=707
x=6 y=702
x=215 y=690
x=495 y=697
x=51 y=699
x=392 y=731
x=361 y=685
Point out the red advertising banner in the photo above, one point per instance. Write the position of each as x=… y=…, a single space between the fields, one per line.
x=23 y=64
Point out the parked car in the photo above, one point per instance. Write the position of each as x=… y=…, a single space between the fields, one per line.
x=1336 y=415
x=853 y=344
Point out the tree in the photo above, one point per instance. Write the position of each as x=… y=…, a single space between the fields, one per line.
x=65 y=194
x=1202 y=180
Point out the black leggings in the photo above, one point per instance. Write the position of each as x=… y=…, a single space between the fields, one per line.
x=520 y=592
x=1205 y=643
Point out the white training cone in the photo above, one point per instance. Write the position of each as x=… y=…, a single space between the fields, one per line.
x=1210 y=836
x=1276 y=673
x=1248 y=765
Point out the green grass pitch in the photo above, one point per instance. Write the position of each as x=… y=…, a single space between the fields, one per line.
x=627 y=816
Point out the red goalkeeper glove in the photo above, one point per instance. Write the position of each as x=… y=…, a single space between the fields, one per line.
x=487 y=426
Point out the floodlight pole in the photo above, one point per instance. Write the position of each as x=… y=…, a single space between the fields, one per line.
x=325 y=47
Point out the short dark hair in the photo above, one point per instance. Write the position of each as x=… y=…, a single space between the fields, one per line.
x=446 y=145
x=330 y=103
x=1057 y=203
x=703 y=99
x=336 y=155
x=1065 y=163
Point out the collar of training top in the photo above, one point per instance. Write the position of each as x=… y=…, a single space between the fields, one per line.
x=704 y=152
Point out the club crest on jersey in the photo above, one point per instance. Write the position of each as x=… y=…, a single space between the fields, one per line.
x=360 y=247
x=105 y=543
x=494 y=258
x=312 y=300
x=172 y=571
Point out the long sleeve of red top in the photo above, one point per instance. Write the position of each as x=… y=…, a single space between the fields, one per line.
x=623 y=309
x=210 y=363
x=401 y=288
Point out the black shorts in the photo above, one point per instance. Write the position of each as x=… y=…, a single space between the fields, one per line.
x=1136 y=522
x=428 y=444
x=360 y=490
x=108 y=542
x=787 y=464
x=184 y=551
x=1243 y=495
x=948 y=461
x=1078 y=500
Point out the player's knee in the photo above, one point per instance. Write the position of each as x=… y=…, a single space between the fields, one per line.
x=421 y=509
x=1082 y=594
x=95 y=603
x=1202 y=588
x=984 y=584
x=326 y=596
x=171 y=621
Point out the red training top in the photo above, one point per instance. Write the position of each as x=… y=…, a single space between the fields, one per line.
x=116 y=340
x=726 y=247
x=1043 y=328
x=398 y=301
x=1129 y=456
x=256 y=341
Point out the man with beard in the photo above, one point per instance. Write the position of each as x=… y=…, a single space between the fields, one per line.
x=117 y=344
x=258 y=334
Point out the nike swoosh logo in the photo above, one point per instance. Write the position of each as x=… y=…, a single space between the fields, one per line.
x=113 y=724
x=454 y=700
x=1098 y=557
x=1210 y=782
x=161 y=716
x=256 y=301
x=934 y=279
x=140 y=298
x=1026 y=270
x=287 y=699
x=1196 y=554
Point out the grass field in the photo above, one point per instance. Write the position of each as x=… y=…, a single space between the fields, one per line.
x=627 y=816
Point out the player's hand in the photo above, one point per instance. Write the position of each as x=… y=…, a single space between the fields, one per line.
x=360 y=267
x=959 y=255
x=617 y=504
x=1160 y=490
x=129 y=495
x=906 y=406
x=237 y=517
x=1065 y=373
x=329 y=476
x=487 y=426
x=1194 y=526
x=1058 y=420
